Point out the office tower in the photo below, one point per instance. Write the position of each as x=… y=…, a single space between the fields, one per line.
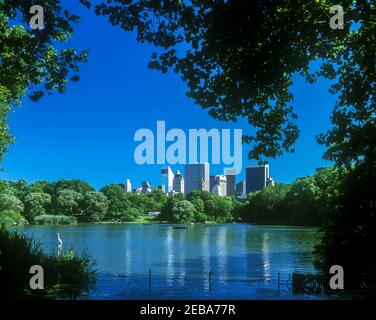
x=231 y=182
x=240 y=189
x=167 y=179
x=220 y=186
x=178 y=182
x=128 y=186
x=196 y=177
x=211 y=183
x=146 y=187
x=256 y=178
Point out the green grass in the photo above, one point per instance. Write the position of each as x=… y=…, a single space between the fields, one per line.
x=54 y=219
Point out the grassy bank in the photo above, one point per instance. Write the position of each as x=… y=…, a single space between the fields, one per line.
x=66 y=276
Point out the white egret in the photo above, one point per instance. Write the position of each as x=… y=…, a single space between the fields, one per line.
x=60 y=245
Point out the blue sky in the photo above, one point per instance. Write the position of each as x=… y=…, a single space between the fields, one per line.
x=87 y=133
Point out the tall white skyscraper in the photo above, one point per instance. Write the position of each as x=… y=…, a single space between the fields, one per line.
x=128 y=186
x=220 y=186
x=196 y=177
x=167 y=177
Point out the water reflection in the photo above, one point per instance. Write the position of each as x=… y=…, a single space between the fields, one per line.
x=182 y=257
x=170 y=269
x=205 y=249
x=128 y=253
x=222 y=253
x=237 y=255
x=265 y=256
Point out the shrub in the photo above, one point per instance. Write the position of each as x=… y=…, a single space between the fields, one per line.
x=54 y=219
x=11 y=217
x=67 y=275
x=131 y=214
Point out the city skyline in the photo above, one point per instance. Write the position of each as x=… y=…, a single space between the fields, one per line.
x=199 y=177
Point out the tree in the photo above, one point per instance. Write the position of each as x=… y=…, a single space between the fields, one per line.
x=68 y=202
x=303 y=202
x=9 y=201
x=349 y=231
x=183 y=211
x=34 y=62
x=131 y=214
x=75 y=185
x=219 y=209
x=239 y=57
x=35 y=204
x=118 y=203
x=352 y=63
x=95 y=206
x=160 y=198
x=166 y=212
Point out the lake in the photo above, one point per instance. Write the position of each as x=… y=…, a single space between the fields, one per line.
x=229 y=261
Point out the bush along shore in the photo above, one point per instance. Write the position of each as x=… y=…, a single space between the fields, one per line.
x=65 y=276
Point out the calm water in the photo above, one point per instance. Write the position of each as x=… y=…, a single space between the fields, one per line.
x=231 y=261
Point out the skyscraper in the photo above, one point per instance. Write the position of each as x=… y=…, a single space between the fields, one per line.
x=220 y=186
x=196 y=177
x=178 y=182
x=240 y=189
x=167 y=178
x=128 y=186
x=231 y=182
x=211 y=182
x=256 y=178
x=146 y=187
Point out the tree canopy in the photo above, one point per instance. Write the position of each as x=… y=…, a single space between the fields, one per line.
x=34 y=62
x=239 y=58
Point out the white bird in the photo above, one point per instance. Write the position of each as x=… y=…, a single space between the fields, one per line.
x=60 y=245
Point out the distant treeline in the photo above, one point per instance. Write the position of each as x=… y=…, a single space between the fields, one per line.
x=304 y=202
x=71 y=201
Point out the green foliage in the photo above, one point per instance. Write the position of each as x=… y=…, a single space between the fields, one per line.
x=95 y=206
x=32 y=61
x=54 y=219
x=239 y=59
x=9 y=201
x=68 y=201
x=199 y=206
x=67 y=275
x=305 y=202
x=11 y=217
x=78 y=186
x=35 y=204
x=349 y=230
x=183 y=211
x=118 y=202
x=131 y=214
